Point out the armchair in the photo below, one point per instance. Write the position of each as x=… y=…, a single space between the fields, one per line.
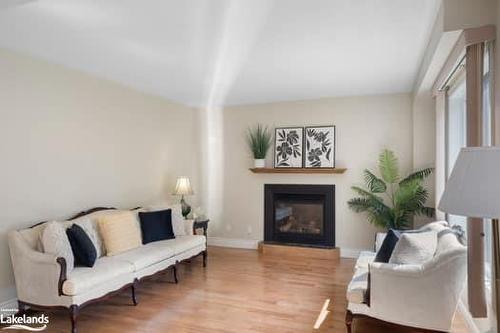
x=419 y=296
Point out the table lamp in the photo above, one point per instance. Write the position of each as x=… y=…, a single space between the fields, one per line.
x=473 y=190
x=183 y=187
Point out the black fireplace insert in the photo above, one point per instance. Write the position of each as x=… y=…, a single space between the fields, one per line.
x=299 y=214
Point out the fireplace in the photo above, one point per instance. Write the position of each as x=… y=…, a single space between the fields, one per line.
x=300 y=214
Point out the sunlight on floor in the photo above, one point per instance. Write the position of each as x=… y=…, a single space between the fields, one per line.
x=322 y=314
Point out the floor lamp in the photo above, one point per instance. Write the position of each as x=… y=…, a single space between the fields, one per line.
x=473 y=190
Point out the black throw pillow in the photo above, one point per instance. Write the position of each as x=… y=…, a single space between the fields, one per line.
x=385 y=251
x=156 y=226
x=83 y=249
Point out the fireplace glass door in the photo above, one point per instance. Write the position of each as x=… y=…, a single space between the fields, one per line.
x=295 y=213
x=300 y=214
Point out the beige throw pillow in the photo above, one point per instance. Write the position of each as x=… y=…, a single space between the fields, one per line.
x=120 y=232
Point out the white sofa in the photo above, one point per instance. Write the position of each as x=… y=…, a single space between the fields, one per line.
x=43 y=283
x=420 y=296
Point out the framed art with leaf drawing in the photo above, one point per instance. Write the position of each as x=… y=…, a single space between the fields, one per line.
x=288 y=143
x=319 y=150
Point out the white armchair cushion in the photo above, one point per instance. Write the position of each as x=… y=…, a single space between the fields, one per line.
x=414 y=248
x=83 y=279
x=55 y=241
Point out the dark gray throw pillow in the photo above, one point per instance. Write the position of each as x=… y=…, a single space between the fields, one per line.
x=156 y=226
x=388 y=245
x=83 y=249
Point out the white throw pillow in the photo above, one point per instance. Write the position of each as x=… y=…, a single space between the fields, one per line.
x=92 y=230
x=55 y=241
x=414 y=248
x=178 y=221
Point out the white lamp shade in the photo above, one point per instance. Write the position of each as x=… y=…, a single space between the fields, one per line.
x=183 y=186
x=473 y=189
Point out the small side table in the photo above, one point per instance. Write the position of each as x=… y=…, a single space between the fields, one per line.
x=202 y=224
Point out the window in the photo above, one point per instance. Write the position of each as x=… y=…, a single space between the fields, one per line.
x=456 y=138
x=487 y=141
x=456 y=128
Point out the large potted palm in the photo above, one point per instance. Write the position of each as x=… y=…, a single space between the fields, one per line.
x=391 y=201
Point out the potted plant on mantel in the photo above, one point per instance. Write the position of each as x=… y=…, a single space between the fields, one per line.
x=259 y=142
x=389 y=201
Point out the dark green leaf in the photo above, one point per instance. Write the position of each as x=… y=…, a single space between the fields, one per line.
x=418 y=175
x=375 y=184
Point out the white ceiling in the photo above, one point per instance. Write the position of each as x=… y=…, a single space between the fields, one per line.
x=220 y=52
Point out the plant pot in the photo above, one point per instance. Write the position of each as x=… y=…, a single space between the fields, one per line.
x=259 y=163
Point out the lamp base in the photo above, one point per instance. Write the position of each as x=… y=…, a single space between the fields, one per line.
x=186 y=208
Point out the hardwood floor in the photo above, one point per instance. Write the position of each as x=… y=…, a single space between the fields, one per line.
x=239 y=291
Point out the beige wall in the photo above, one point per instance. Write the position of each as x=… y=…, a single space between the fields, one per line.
x=69 y=141
x=365 y=125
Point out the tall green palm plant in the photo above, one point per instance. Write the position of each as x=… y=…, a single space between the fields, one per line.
x=390 y=201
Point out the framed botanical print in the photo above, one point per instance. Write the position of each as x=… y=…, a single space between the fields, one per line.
x=288 y=142
x=319 y=150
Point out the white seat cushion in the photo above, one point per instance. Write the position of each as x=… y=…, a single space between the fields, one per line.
x=147 y=255
x=365 y=257
x=83 y=279
x=184 y=243
x=356 y=290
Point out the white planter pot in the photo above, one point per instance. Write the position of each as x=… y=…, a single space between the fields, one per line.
x=259 y=163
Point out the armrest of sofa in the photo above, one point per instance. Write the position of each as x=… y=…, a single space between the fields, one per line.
x=39 y=276
x=188 y=225
x=413 y=292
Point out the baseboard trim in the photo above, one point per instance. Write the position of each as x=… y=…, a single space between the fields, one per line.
x=9 y=306
x=252 y=244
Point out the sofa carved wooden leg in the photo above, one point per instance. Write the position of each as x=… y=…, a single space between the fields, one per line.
x=73 y=315
x=348 y=321
x=175 y=273
x=205 y=258
x=133 y=288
